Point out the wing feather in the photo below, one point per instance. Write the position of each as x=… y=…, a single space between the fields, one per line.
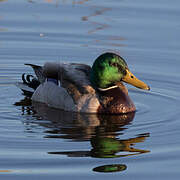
x=72 y=73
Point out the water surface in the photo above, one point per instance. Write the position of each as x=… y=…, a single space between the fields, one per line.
x=40 y=142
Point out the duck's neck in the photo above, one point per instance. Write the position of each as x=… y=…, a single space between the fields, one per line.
x=116 y=100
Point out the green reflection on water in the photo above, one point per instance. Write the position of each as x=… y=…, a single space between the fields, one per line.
x=103 y=131
x=110 y=168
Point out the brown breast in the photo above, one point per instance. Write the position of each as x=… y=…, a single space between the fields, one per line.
x=116 y=101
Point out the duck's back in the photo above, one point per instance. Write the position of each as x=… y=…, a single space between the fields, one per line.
x=74 y=93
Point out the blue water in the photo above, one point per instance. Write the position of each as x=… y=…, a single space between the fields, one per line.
x=39 y=142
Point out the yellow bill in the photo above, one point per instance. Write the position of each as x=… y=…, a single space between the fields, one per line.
x=133 y=80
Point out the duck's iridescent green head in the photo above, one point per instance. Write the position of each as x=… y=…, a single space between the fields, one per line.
x=109 y=69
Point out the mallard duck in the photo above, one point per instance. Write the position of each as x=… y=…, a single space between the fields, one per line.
x=80 y=88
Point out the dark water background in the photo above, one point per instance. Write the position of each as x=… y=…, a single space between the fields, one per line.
x=43 y=143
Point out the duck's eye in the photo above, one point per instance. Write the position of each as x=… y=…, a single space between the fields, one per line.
x=132 y=77
x=113 y=64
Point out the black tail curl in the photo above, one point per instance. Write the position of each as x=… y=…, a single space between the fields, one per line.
x=30 y=81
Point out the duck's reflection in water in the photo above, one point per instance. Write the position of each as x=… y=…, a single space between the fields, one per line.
x=101 y=130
